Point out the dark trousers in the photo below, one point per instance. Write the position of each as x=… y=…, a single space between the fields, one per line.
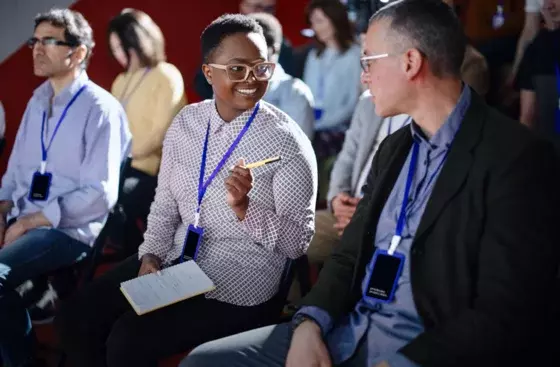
x=98 y=327
x=135 y=199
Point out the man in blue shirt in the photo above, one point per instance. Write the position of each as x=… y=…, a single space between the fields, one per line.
x=63 y=173
x=451 y=256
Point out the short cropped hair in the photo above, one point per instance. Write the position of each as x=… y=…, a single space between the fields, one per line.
x=77 y=30
x=137 y=31
x=272 y=29
x=432 y=27
x=224 y=26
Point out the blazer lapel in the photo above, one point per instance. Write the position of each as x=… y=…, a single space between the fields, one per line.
x=457 y=166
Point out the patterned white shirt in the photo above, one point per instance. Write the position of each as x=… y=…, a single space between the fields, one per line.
x=245 y=259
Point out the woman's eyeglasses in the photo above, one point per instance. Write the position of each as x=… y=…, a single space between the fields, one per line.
x=239 y=72
x=365 y=61
x=47 y=41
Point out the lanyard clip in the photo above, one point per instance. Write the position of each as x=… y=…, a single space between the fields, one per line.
x=196 y=219
x=43 y=167
x=395 y=241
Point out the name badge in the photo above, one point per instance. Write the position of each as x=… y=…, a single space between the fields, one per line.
x=40 y=186
x=387 y=270
x=192 y=243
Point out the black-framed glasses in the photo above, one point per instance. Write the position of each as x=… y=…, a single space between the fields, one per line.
x=47 y=41
x=240 y=72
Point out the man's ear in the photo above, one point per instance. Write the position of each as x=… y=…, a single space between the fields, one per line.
x=79 y=54
x=207 y=71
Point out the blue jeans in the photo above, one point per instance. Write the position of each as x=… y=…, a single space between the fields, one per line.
x=36 y=253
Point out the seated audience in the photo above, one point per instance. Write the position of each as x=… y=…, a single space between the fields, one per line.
x=539 y=76
x=152 y=93
x=333 y=74
x=63 y=174
x=350 y=171
x=253 y=220
x=451 y=256
x=289 y=94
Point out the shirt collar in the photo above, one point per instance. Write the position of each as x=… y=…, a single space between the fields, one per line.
x=235 y=125
x=45 y=90
x=444 y=136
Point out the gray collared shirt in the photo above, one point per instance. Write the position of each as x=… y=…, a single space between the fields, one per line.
x=84 y=158
x=387 y=327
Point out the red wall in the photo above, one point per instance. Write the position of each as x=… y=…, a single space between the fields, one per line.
x=181 y=21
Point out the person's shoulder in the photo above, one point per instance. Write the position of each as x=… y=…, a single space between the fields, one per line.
x=504 y=139
x=353 y=52
x=196 y=110
x=298 y=88
x=167 y=71
x=283 y=125
x=101 y=98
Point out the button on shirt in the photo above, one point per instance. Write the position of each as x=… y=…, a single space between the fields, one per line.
x=245 y=259
x=84 y=158
x=388 y=327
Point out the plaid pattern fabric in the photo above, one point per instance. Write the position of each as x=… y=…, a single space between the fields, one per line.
x=245 y=259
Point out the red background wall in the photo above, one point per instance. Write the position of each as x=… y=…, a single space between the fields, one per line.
x=181 y=21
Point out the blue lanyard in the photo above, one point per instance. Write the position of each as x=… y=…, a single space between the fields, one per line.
x=45 y=149
x=557 y=121
x=202 y=186
x=395 y=241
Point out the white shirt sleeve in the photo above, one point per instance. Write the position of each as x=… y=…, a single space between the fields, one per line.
x=533 y=6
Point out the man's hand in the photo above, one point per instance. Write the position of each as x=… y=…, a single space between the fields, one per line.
x=16 y=230
x=344 y=207
x=150 y=264
x=307 y=348
x=24 y=225
x=238 y=185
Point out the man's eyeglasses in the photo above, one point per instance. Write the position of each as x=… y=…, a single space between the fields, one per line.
x=365 y=61
x=239 y=72
x=47 y=41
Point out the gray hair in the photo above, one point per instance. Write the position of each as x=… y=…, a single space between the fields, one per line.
x=431 y=27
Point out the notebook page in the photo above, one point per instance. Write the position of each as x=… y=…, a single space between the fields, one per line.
x=152 y=291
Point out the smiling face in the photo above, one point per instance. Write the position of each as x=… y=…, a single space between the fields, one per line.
x=234 y=97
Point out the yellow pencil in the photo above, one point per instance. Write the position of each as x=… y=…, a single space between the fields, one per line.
x=261 y=163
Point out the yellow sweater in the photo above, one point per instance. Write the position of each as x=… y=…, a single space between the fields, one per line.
x=151 y=99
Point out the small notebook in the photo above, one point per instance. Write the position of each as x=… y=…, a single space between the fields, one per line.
x=174 y=284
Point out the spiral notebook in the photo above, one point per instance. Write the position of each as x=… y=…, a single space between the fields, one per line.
x=174 y=284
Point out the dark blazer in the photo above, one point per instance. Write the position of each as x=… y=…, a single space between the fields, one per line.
x=485 y=256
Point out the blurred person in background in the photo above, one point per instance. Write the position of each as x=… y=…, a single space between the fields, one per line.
x=332 y=71
x=152 y=93
x=289 y=94
x=2 y=128
x=63 y=173
x=531 y=26
x=539 y=78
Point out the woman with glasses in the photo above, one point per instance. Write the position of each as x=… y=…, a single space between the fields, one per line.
x=152 y=92
x=332 y=71
x=247 y=222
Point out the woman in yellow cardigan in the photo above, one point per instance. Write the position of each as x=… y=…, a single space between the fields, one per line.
x=152 y=93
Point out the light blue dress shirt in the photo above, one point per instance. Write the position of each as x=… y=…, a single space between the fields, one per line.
x=84 y=158
x=334 y=79
x=388 y=327
x=294 y=97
